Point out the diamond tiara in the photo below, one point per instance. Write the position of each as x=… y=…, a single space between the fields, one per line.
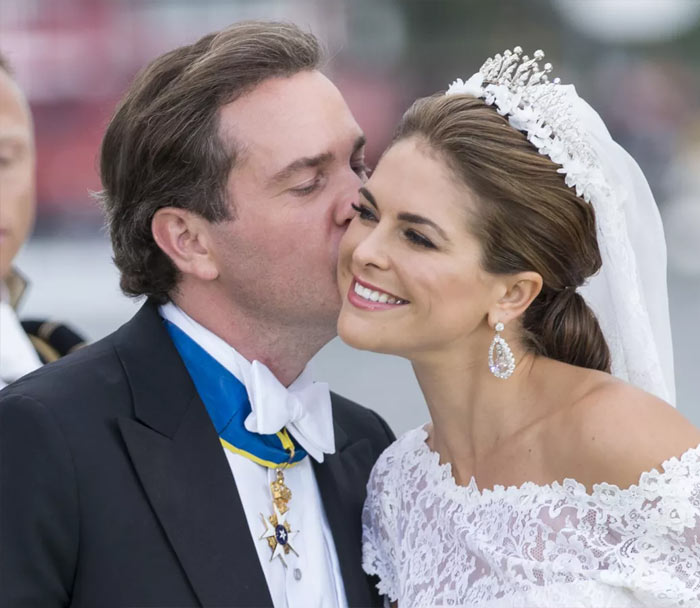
x=516 y=68
x=520 y=89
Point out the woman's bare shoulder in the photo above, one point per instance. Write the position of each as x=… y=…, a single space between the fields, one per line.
x=615 y=432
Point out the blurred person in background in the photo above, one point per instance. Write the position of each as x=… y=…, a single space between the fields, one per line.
x=189 y=459
x=514 y=253
x=24 y=345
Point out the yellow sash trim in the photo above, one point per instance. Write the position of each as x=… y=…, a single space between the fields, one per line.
x=287 y=444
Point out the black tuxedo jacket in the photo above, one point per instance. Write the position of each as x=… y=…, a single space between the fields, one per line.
x=115 y=492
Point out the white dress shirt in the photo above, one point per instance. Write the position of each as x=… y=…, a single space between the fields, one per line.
x=17 y=355
x=312 y=579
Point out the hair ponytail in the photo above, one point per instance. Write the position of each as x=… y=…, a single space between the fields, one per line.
x=560 y=325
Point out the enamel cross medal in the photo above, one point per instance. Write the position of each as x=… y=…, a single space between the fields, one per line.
x=278 y=531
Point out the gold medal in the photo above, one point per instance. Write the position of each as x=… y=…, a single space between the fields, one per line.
x=278 y=531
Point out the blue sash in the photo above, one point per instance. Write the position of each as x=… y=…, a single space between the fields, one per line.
x=226 y=400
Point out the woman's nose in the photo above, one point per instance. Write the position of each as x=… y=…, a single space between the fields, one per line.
x=372 y=250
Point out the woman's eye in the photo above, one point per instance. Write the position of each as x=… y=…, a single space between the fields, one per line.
x=364 y=212
x=419 y=239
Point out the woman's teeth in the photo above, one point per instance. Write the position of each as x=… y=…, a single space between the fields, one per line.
x=376 y=296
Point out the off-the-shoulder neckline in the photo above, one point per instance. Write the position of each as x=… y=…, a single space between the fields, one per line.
x=649 y=481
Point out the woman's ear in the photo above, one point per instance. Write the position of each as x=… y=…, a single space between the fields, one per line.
x=519 y=291
x=184 y=238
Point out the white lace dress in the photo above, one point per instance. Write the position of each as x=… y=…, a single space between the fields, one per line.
x=434 y=543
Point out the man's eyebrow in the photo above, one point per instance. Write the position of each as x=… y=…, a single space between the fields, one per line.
x=406 y=217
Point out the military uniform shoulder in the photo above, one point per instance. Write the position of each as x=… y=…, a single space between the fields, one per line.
x=81 y=372
x=52 y=340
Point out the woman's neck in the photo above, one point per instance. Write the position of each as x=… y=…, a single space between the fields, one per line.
x=473 y=412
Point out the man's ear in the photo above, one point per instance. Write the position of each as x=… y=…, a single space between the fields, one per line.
x=184 y=238
x=519 y=290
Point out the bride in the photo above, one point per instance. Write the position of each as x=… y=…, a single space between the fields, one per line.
x=513 y=253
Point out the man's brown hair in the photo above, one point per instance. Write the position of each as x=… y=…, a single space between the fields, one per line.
x=163 y=148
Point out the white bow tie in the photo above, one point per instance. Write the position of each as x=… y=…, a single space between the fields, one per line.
x=304 y=408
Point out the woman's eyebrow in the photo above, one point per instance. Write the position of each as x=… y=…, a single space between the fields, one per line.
x=404 y=216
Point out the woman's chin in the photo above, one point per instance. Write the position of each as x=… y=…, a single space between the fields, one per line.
x=358 y=335
x=351 y=337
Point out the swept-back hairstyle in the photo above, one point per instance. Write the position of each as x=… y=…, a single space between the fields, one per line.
x=526 y=219
x=163 y=146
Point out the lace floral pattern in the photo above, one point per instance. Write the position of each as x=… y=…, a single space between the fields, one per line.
x=434 y=543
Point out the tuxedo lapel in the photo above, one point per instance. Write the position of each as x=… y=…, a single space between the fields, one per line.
x=179 y=460
x=341 y=480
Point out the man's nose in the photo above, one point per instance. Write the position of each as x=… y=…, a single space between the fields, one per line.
x=349 y=196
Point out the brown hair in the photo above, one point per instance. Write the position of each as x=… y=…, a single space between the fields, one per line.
x=527 y=219
x=163 y=147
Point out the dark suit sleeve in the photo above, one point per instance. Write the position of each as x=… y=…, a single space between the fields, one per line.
x=38 y=507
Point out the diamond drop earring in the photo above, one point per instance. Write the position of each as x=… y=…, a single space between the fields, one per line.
x=501 y=359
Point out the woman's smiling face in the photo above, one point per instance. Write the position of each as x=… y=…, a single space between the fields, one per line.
x=408 y=270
